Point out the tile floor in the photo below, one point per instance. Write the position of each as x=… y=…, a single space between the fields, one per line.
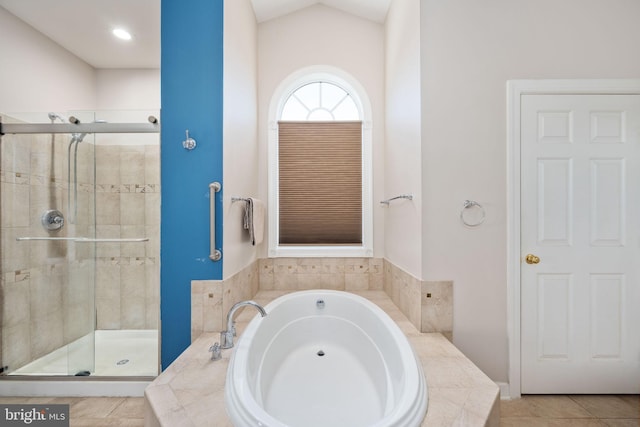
x=530 y=411
x=94 y=411
x=571 y=411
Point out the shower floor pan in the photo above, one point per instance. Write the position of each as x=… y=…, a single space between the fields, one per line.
x=117 y=353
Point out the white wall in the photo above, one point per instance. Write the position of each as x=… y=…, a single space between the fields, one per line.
x=127 y=96
x=38 y=75
x=469 y=50
x=319 y=35
x=402 y=153
x=240 y=148
x=128 y=89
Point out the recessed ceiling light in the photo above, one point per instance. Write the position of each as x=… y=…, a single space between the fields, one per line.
x=122 y=34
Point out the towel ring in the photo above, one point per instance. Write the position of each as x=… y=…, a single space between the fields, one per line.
x=469 y=214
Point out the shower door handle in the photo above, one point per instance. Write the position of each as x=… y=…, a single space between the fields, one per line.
x=215 y=254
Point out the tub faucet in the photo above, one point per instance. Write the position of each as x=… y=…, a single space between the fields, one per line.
x=226 y=337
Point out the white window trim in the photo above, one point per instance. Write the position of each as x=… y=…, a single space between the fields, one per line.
x=281 y=94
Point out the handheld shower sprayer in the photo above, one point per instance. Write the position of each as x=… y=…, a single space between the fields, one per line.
x=76 y=139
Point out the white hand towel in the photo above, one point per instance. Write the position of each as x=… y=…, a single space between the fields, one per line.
x=254 y=220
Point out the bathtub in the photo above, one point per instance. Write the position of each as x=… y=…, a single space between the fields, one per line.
x=324 y=358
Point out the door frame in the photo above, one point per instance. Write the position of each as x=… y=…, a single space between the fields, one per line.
x=515 y=90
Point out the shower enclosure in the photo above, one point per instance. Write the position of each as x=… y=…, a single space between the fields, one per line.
x=79 y=231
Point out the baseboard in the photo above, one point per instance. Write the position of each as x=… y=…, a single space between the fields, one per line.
x=504 y=391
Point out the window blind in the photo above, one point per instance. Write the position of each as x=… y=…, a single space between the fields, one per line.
x=320 y=183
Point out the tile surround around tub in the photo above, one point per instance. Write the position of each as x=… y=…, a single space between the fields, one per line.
x=191 y=390
x=427 y=304
x=344 y=274
x=436 y=307
x=212 y=299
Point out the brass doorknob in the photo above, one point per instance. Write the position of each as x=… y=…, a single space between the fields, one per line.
x=531 y=259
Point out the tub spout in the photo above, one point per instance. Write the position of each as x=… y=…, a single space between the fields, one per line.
x=226 y=336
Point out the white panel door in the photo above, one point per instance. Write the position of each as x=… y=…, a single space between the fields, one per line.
x=580 y=221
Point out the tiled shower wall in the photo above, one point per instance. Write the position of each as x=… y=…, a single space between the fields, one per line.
x=45 y=302
x=128 y=206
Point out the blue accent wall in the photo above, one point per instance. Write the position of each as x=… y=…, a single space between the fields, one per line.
x=191 y=98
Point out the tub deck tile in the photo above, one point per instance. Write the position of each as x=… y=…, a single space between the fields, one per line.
x=190 y=392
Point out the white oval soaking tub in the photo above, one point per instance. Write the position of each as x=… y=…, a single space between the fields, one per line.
x=324 y=358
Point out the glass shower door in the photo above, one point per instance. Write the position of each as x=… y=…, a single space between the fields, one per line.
x=80 y=295
x=47 y=283
x=80 y=223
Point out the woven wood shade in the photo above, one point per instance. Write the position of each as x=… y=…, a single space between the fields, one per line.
x=320 y=187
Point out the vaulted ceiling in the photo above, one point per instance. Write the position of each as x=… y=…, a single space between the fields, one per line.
x=374 y=10
x=84 y=26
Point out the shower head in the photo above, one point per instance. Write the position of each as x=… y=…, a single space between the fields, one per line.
x=54 y=116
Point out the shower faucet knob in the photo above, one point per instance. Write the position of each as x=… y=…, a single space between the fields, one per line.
x=52 y=220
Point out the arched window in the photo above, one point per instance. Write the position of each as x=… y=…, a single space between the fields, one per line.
x=320 y=168
x=320 y=101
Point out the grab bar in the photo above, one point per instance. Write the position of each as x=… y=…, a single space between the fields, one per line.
x=215 y=254
x=84 y=239
x=402 y=196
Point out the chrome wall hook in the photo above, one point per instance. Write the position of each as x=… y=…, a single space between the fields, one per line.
x=189 y=143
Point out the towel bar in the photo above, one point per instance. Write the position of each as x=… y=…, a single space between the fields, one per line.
x=402 y=196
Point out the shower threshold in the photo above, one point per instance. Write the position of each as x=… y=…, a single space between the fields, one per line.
x=118 y=353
